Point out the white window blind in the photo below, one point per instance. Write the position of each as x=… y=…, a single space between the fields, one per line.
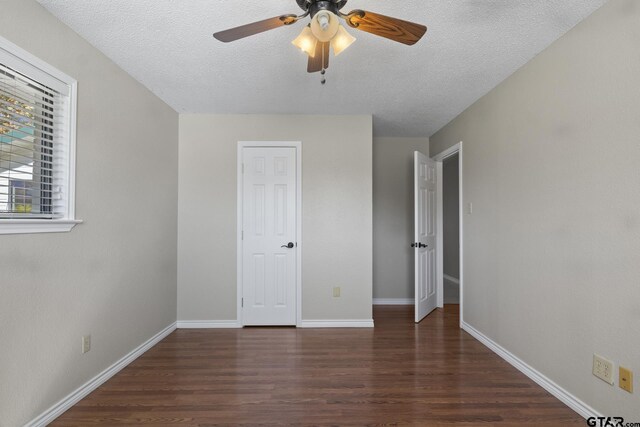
x=34 y=147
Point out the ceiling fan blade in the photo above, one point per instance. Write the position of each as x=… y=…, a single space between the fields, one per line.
x=243 y=31
x=320 y=60
x=384 y=26
x=325 y=54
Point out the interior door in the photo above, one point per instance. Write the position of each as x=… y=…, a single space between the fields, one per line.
x=425 y=235
x=269 y=241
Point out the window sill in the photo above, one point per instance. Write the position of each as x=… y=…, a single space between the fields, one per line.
x=28 y=226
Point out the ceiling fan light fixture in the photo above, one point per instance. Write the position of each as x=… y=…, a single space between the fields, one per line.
x=324 y=32
x=341 y=41
x=306 y=42
x=324 y=25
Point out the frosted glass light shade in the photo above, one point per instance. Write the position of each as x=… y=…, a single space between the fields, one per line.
x=306 y=42
x=341 y=41
x=330 y=22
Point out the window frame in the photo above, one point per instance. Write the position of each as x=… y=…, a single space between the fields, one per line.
x=40 y=71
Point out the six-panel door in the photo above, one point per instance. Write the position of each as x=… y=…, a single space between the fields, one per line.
x=269 y=225
x=425 y=235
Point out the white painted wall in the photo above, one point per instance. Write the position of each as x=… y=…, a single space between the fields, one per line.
x=552 y=249
x=336 y=212
x=393 y=256
x=114 y=276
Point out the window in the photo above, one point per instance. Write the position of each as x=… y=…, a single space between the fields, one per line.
x=37 y=144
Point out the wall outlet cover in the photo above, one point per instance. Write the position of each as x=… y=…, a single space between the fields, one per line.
x=603 y=369
x=86 y=344
x=336 y=292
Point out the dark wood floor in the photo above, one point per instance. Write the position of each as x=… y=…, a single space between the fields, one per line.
x=397 y=373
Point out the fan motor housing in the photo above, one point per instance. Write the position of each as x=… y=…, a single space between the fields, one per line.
x=315 y=6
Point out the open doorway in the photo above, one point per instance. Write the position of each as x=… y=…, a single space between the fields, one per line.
x=433 y=177
x=450 y=264
x=451 y=230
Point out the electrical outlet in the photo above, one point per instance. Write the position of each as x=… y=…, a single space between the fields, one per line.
x=86 y=344
x=626 y=379
x=336 y=292
x=603 y=369
x=470 y=208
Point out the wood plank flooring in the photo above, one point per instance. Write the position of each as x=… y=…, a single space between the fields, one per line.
x=396 y=374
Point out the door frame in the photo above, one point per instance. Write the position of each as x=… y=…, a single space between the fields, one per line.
x=439 y=158
x=239 y=258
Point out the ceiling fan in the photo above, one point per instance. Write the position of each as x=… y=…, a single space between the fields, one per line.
x=324 y=32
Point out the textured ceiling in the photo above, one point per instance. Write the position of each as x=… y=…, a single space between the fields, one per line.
x=471 y=46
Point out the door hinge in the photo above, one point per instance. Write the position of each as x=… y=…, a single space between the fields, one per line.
x=242 y=235
x=241 y=302
x=243 y=168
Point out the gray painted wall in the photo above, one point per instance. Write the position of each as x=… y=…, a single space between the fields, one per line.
x=393 y=258
x=552 y=249
x=451 y=214
x=336 y=212
x=114 y=276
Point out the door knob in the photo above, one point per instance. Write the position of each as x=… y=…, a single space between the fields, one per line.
x=289 y=245
x=418 y=245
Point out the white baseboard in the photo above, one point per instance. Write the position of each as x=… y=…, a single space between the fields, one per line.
x=59 y=408
x=208 y=324
x=393 y=301
x=451 y=279
x=230 y=324
x=561 y=394
x=336 y=324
